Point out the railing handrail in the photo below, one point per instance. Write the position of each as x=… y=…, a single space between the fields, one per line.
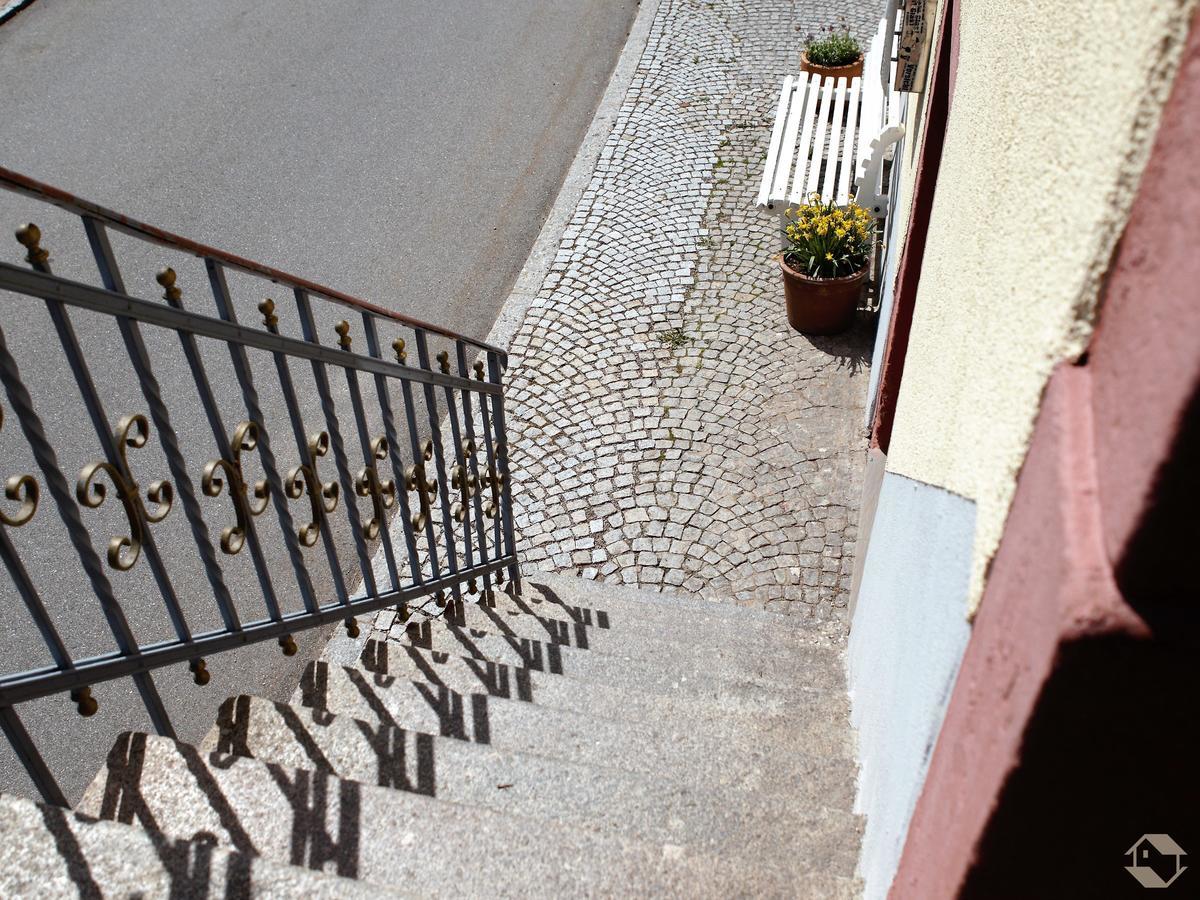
x=23 y=184
x=452 y=533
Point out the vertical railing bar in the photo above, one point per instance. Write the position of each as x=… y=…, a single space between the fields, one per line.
x=389 y=427
x=33 y=602
x=364 y=438
x=469 y=424
x=298 y=432
x=241 y=366
x=60 y=490
x=435 y=434
x=100 y=423
x=111 y=277
x=27 y=752
x=461 y=462
x=410 y=417
x=191 y=351
x=495 y=371
x=321 y=377
x=497 y=519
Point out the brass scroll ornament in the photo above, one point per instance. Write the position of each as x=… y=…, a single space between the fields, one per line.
x=123 y=551
x=23 y=488
x=415 y=480
x=245 y=437
x=382 y=491
x=322 y=496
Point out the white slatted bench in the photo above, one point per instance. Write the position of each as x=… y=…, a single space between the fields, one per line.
x=830 y=137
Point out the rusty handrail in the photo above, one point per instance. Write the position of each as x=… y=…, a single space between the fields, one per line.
x=23 y=184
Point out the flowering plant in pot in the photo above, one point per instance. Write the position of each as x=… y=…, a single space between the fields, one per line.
x=824 y=264
x=834 y=54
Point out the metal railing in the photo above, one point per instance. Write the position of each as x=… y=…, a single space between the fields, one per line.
x=453 y=523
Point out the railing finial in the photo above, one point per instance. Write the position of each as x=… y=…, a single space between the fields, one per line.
x=398 y=346
x=343 y=330
x=199 y=670
x=443 y=359
x=29 y=236
x=85 y=703
x=166 y=278
x=267 y=308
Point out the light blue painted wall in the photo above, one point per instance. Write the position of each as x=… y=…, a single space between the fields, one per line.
x=907 y=639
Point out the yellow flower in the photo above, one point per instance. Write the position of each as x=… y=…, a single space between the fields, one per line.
x=829 y=256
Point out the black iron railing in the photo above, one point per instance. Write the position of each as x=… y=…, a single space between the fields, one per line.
x=452 y=528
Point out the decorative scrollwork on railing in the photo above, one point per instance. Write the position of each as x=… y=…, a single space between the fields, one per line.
x=465 y=483
x=20 y=488
x=492 y=481
x=415 y=480
x=245 y=437
x=382 y=491
x=322 y=496
x=123 y=551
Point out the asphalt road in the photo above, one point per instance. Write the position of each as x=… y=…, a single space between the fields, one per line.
x=403 y=151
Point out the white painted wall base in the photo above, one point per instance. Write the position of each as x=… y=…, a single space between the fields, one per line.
x=908 y=635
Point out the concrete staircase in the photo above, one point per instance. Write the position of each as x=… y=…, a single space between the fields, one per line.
x=578 y=740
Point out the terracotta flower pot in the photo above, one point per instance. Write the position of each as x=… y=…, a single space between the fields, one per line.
x=821 y=305
x=850 y=70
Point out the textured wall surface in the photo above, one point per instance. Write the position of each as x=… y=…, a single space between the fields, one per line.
x=907 y=639
x=1047 y=136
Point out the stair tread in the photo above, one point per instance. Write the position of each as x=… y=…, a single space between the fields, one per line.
x=52 y=852
x=535 y=786
x=386 y=836
x=677 y=607
x=687 y=752
x=822 y=716
x=613 y=635
x=682 y=669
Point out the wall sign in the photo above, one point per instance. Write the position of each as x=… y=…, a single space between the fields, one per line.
x=912 y=45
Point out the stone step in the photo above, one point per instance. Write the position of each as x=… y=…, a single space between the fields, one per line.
x=390 y=837
x=736 y=825
x=686 y=614
x=678 y=749
x=52 y=852
x=615 y=635
x=821 y=717
x=675 y=668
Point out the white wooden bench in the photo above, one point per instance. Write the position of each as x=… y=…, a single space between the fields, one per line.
x=831 y=138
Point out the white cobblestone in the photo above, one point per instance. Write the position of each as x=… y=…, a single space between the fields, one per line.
x=726 y=462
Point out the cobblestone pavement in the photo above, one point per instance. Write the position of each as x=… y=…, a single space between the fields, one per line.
x=667 y=428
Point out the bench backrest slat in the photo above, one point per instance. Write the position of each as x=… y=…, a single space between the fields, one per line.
x=848 y=161
x=804 y=147
x=769 y=186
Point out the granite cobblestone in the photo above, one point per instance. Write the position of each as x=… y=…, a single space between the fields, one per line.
x=669 y=430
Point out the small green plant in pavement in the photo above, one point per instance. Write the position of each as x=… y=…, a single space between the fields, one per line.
x=675 y=338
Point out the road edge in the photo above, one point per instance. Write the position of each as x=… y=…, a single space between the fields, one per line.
x=545 y=247
x=341 y=649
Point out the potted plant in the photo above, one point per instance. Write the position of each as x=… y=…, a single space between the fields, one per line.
x=824 y=264
x=834 y=54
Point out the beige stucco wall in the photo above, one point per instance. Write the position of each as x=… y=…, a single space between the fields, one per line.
x=1053 y=112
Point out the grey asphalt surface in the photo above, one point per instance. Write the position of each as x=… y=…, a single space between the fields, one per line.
x=406 y=152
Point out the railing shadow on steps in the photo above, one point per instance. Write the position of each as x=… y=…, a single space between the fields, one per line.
x=450 y=492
